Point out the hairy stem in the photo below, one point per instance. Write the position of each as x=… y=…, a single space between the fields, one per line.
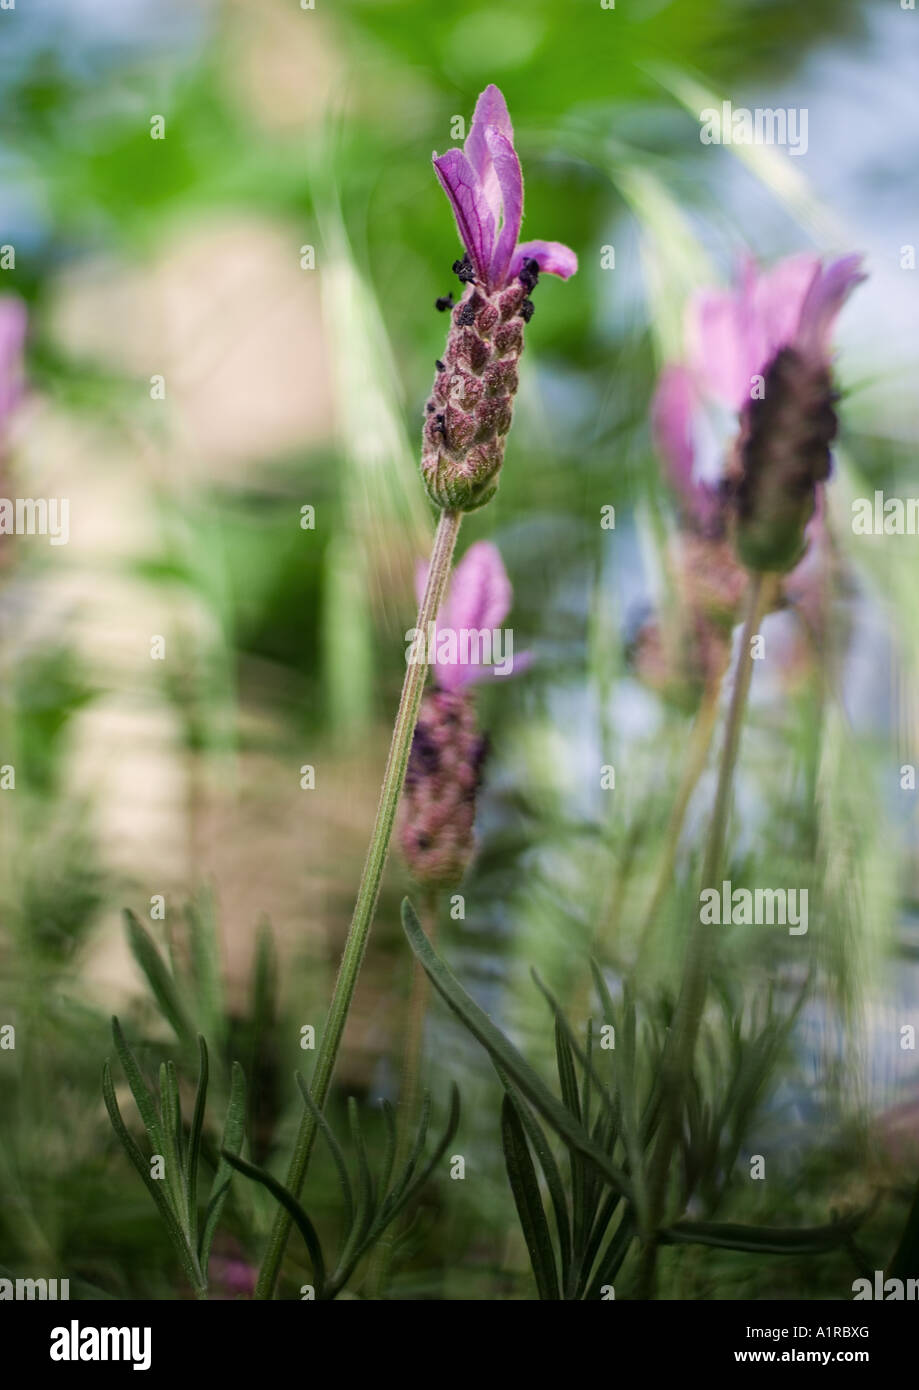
x=368 y=892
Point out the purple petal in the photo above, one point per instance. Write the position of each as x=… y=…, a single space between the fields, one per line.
x=507 y=168
x=453 y=678
x=13 y=323
x=470 y=208
x=480 y=592
x=672 y=415
x=722 y=349
x=734 y=334
x=461 y=676
x=828 y=292
x=776 y=302
x=552 y=257
x=490 y=112
x=479 y=598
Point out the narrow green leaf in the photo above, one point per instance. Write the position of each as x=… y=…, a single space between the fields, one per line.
x=205 y=961
x=613 y=1256
x=233 y=1128
x=172 y=1126
x=338 y=1157
x=194 y=1139
x=598 y=1231
x=292 y=1206
x=585 y=1084
x=418 y=1181
x=567 y=1076
x=389 y=1152
x=503 y=1052
x=576 y=1050
x=551 y=1172
x=153 y=1186
x=568 y=1084
x=161 y=982
x=606 y=999
x=364 y=1206
x=528 y=1201
x=405 y=1178
x=176 y=1117
x=143 y=1097
x=778 y=1240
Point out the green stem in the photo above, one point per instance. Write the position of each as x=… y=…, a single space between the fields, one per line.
x=368 y=892
x=700 y=740
x=680 y=1046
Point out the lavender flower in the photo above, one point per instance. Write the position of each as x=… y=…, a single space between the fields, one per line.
x=448 y=753
x=763 y=506
x=786 y=434
x=469 y=411
x=772 y=328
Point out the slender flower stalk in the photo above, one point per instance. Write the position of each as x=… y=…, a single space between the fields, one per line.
x=679 y=1048
x=437 y=816
x=368 y=892
x=700 y=742
x=466 y=422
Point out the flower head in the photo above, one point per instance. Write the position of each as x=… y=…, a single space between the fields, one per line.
x=468 y=413
x=437 y=817
x=485 y=186
x=761 y=350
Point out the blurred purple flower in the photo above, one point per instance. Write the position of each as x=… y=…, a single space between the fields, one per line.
x=485 y=187
x=478 y=600
x=733 y=336
x=13 y=322
x=232 y=1277
x=437 y=816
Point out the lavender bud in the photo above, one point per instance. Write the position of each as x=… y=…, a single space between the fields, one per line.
x=437 y=814
x=784 y=453
x=473 y=396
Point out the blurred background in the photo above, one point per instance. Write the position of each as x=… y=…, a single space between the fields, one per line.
x=236 y=321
